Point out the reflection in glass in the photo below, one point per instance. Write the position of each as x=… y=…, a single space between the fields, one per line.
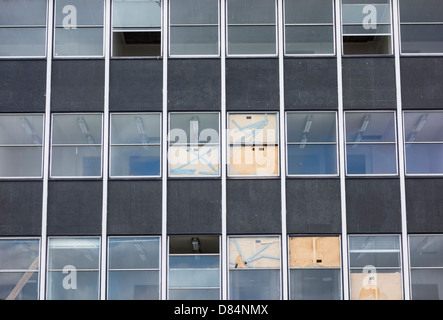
x=19 y=269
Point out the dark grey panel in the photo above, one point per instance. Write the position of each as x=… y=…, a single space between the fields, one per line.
x=373 y=205
x=194 y=84
x=313 y=206
x=424 y=205
x=21 y=208
x=369 y=83
x=422 y=82
x=253 y=206
x=311 y=83
x=252 y=84
x=134 y=207
x=77 y=85
x=194 y=206
x=22 y=85
x=136 y=85
x=75 y=207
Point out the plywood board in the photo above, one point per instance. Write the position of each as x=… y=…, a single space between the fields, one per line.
x=257 y=160
x=261 y=252
x=189 y=161
x=259 y=128
x=307 y=252
x=376 y=286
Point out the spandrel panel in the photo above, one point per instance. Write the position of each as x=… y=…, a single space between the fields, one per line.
x=252 y=253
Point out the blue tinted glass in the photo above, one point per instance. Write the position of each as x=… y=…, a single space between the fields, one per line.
x=133 y=285
x=424 y=158
x=371 y=159
x=194 y=261
x=312 y=159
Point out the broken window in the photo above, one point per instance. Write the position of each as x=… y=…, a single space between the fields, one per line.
x=375 y=267
x=194 y=144
x=314 y=264
x=19 y=269
x=194 y=268
x=253 y=144
x=136 y=28
x=254 y=268
x=366 y=27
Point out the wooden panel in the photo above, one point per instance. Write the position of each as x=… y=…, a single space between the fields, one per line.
x=253 y=160
x=258 y=128
x=376 y=286
x=254 y=252
x=189 y=161
x=314 y=252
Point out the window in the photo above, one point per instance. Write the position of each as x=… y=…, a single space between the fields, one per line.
x=73 y=269
x=135 y=145
x=21 y=145
x=253 y=144
x=426 y=256
x=76 y=145
x=421 y=26
x=371 y=143
x=194 y=27
x=134 y=268
x=194 y=145
x=254 y=268
x=423 y=142
x=309 y=27
x=251 y=27
x=314 y=264
x=19 y=269
x=136 y=28
x=23 y=28
x=194 y=268
x=375 y=267
x=78 y=28
x=366 y=27
x=312 y=143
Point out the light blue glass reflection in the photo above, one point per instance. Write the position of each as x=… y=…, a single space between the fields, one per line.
x=312 y=159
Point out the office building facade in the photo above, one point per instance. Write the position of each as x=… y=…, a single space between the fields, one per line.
x=221 y=149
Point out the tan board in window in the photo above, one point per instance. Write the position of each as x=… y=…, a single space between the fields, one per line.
x=251 y=128
x=263 y=252
x=307 y=252
x=253 y=160
x=188 y=161
x=376 y=286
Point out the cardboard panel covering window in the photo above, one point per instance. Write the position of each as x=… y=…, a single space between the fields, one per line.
x=376 y=286
x=253 y=144
x=308 y=252
x=263 y=252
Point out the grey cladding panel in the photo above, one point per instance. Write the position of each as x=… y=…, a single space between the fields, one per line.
x=22 y=85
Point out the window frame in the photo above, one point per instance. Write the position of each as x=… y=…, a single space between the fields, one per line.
x=195 y=25
x=395 y=144
x=42 y=146
x=162 y=37
x=219 y=144
x=108 y=268
x=67 y=57
x=51 y=145
x=160 y=145
x=390 y=35
x=2 y=57
x=337 y=155
x=334 y=41
x=230 y=145
x=250 y=55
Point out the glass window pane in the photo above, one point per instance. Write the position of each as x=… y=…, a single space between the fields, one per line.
x=315 y=284
x=135 y=129
x=309 y=39
x=76 y=161
x=87 y=286
x=78 y=42
x=311 y=127
x=11 y=287
x=133 y=285
x=200 y=128
x=21 y=162
x=82 y=253
x=79 y=129
x=423 y=126
x=421 y=38
x=21 y=129
x=19 y=254
x=426 y=251
x=312 y=159
x=424 y=158
x=427 y=284
x=197 y=40
x=370 y=127
x=371 y=159
x=186 y=278
x=194 y=294
x=22 y=42
x=421 y=11
x=134 y=253
x=23 y=12
x=74 y=13
x=377 y=251
x=251 y=11
x=360 y=12
x=135 y=161
x=136 y=13
x=193 y=12
x=251 y=40
x=254 y=284
x=309 y=11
